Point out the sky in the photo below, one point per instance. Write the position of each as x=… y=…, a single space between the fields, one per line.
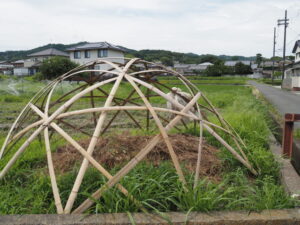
x=231 y=27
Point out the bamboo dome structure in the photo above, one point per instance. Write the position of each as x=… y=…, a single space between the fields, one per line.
x=100 y=97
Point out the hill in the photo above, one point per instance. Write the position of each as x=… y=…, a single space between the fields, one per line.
x=167 y=57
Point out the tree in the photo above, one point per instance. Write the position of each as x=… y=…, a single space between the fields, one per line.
x=258 y=59
x=167 y=61
x=241 y=68
x=56 y=66
x=216 y=70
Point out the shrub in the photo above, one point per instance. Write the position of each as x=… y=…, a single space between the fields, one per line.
x=56 y=66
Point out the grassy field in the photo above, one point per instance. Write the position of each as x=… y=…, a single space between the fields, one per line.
x=27 y=189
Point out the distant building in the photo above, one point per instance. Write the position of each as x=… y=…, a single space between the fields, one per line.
x=6 y=67
x=190 y=69
x=31 y=65
x=201 y=66
x=233 y=63
x=292 y=74
x=84 y=53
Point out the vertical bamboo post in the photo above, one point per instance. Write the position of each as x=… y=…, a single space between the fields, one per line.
x=94 y=139
x=55 y=190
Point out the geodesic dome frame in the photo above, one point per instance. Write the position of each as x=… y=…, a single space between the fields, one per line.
x=138 y=73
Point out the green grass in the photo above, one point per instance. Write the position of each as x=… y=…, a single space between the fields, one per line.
x=231 y=80
x=27 y=189
x=269 y=81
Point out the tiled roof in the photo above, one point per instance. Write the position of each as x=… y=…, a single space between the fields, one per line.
x=95 y=45
x=49 y=52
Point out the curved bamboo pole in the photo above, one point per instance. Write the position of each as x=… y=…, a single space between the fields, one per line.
x=133 y=162
x=119 y=108
x=46 y=123
x=237 y=156
x=161 y=129
x=94 y=139
x=120 y=71
x=84 y=154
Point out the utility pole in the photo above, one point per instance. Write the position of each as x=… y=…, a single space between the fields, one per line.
x=274 y=44
x=285 y=23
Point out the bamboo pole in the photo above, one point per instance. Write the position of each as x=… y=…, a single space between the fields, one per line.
x=84 y=154
x=133 y=162
x=94 y=139
x=55 y=190
x=161 y=129
x=180 y=106
x=46 y=123
x=119 y=108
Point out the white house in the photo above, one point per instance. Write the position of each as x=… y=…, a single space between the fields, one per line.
x=292 y=75
x=84 y=53
x=296 y=51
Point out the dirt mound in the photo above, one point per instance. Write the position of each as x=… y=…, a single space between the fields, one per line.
x=119 y=149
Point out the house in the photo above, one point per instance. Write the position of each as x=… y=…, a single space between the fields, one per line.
x=84 y=53
x=296 y=51
x=292 y=74
x=32 y=64
x=6 y=67
x=203 y=66
x=233 y=63
x=19 y=69
x=190 y=69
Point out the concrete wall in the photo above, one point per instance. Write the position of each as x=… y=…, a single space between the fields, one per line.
x=291 y=78
x=21 y=71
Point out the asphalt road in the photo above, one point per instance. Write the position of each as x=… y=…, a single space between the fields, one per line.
x=283 y=101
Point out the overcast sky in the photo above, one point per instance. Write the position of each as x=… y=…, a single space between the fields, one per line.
x=232 y=27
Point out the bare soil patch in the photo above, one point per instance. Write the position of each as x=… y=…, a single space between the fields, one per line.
x=119 y=149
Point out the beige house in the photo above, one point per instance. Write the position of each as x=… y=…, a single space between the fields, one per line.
x=82 y=54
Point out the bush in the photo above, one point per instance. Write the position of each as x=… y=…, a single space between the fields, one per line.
x=37 y=77
x=56 y=66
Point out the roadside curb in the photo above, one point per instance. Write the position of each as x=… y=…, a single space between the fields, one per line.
x=266 y=217
x=288 y=175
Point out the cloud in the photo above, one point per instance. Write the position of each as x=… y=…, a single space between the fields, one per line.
x=217 y=27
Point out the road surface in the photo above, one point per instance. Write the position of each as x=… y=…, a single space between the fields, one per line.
x=283 y=101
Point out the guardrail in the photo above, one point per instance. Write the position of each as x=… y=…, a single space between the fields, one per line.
x=287 y=143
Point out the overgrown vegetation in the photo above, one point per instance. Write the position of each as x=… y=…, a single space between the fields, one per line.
x=26 y=188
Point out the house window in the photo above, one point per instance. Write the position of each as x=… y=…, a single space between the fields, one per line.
x=87 y=54
x=102 y=53
x=76 y=54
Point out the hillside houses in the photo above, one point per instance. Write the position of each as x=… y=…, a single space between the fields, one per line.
x=79 y=54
